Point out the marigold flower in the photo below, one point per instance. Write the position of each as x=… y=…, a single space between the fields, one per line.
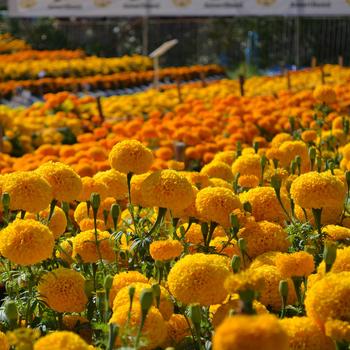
x=84 y=246
x=91 y=185
x=269 y=294
x=58 y=221
x=199 y=278
x=336 y=232
x=27 y=190
x=216 y=204
x=65 y=251
x=130 y=156
x=63 y=290
x=268 y=258
x=265 y=205
x=79 y=325
x=4 y=344
x=124 y=279
x=325 y=94
x=167 y=189
x=247 y=165
x=304 y=333
x=219 y=170
x=115 y=181
x=299 y=264
x=26 y=242
x=328 y=297
x=222 y=246
x=199 y=180
x=250 y=332
x=243 y=281
x=291 y=149
x=248 y=181
x=61 y=340
x=280 y=138
x=318 y=190
x=166 y=250
x=341 y=263
x=65 y=182
x=154 y=331
x=338 y=330
x=264 y=236
x=177 y=328
x=227 y=157
x=309 y=135
x=166 y=306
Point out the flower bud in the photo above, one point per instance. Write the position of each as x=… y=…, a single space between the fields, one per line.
x=236 y=263
x=283 y=289
x=11 y=311
x=329 y=255
x=146 y=300
x=115 y=212
x=195 y=314
x=107 y=283
x=5 y=199
x=156 y=293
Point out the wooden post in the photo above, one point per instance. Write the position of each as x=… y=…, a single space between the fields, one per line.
x=323 y=77
x=179 y=148
x=100 y=109
x=156 y=72
x=313 y=62
x=202 y=77
x=241 y=84
x=341 y=61
x=178 y=88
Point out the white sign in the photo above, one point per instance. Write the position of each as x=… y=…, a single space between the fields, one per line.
x=119 y=8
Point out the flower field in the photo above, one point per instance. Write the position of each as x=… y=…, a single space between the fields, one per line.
x=185 y=217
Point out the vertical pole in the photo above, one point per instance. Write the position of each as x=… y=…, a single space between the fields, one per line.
x=297 y=41
x=241 y=84
x=341 y=61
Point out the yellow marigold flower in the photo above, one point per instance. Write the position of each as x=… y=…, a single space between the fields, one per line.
x=299 y=264
x=220 y=312
x=264 y=236
x=26 y=242
x=65 y=251
x=58 y=221
x=275 y=154
x=174 y=165
x=61 y=340
x=130 y=156
x=154 y=331
x=191 y=210
x=4 y=344
x=63 y=290
x=269 y=294
x=27 y=190
x=268 y=258
x=115 y=181
x=227 y=157
x=167 y=189
x=345 y=151
x=65 y=182
x=328 y=298
x=199 y=278
x=216 y=204
x=318 y=190
x=338 y=330
x=91 y=185
x=166 y=250
x=84 y=246
x=219 y=170
x=247 y=165
x=166 y=306
x=136 y=193
x=325 y=94
x=336 y=232
x=178 y=328
x=304 y=333
x=199 y=180
x=265 y=205
x=79 y=325
x=222 y=246
x=280 y=138
x=216 y=182
x=248 y=181
x=243 y=281
x=309 y=135
x=250 y=332
x=124 y=279
x=291 y=149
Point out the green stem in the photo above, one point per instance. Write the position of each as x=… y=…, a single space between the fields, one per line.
x=297 y=281
x=317 y=212
x=52 y=209
x=160 y=217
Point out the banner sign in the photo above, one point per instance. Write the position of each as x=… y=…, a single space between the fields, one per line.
x=171 y=8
